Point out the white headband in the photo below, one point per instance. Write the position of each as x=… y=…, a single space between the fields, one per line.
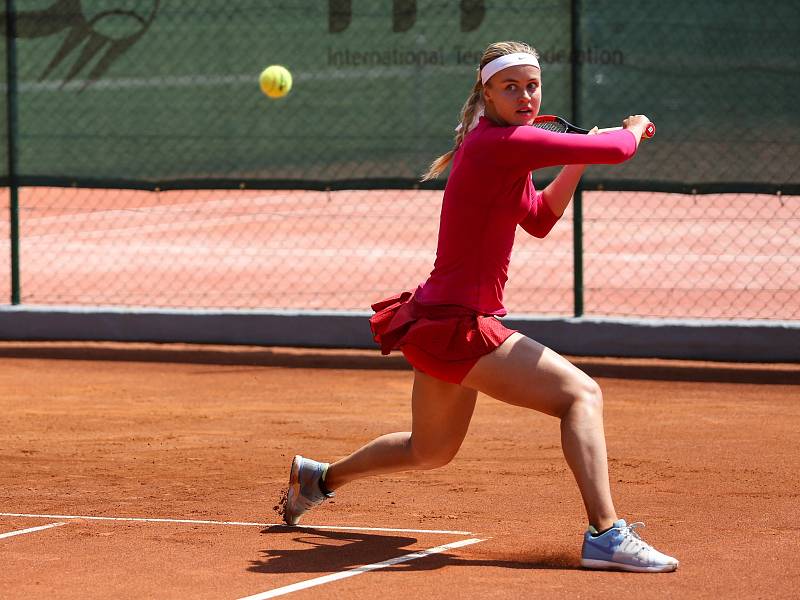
x=505 y=61
x=492 y=67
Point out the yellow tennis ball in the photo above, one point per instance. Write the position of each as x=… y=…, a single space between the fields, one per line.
x=275 y=81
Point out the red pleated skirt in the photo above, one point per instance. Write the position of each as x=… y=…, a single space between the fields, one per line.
x=444 y=341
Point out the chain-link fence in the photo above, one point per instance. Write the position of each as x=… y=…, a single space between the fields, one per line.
x=645 y=254
x=105 y=98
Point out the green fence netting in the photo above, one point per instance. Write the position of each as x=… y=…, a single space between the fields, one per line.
x=148 y=92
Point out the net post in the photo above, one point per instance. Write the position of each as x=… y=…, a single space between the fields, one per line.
x=577 y=198
x=12 y=133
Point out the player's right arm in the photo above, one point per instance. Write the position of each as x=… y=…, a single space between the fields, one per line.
x=526 y=148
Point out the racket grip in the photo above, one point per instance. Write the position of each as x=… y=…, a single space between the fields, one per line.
x=649 y=131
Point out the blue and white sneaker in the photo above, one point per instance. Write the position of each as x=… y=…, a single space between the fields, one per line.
x=621 y=548
x=304 y=491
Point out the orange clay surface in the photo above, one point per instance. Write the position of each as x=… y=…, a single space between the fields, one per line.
x=706 y=454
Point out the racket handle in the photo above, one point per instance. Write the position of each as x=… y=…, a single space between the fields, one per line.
x=649 y=131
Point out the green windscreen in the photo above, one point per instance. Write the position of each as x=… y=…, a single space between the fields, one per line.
x=3 y=105
x=159 y=93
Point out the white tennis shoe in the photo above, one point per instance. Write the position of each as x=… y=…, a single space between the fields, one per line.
x=621 y=548
x=304 y=491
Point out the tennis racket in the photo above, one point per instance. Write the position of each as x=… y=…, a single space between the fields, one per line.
x=554 y=123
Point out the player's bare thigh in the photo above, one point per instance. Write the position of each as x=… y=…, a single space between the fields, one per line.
x=525 y=373
x=441 y=413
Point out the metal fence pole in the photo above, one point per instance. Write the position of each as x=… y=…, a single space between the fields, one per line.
x=577 y=199
x=12 y=132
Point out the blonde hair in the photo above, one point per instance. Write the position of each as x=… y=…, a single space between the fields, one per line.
x=470 y=106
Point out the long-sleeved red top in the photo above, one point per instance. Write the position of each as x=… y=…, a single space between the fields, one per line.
x=490 y=192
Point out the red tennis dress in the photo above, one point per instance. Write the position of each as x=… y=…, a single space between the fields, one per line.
x=452 y=319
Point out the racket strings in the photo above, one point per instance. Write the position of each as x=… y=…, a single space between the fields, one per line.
x=551 y=126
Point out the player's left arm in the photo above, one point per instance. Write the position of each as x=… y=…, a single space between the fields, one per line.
x=558 y=194
x=551 y=203
x=540 y=218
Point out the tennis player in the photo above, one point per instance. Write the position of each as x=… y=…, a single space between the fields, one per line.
x=448 y=328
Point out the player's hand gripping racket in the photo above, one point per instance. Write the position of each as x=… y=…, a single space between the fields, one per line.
x=554 y=123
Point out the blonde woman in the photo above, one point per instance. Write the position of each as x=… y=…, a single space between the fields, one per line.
x=448 y=328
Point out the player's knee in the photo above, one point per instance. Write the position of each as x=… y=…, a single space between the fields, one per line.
x=439 y=459
x=587 y=399
x=432 y=458
x=590 y=396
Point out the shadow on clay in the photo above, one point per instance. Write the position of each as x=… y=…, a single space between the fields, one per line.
x=321 y=551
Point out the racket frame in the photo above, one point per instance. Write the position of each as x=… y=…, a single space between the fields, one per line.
x=649 y=131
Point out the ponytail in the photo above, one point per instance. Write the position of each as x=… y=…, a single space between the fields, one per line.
x=467 y=115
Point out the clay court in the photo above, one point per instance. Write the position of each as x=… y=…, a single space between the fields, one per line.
x=134 y=471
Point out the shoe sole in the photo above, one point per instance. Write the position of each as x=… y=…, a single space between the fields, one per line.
x=293 y=491
x=591 y=563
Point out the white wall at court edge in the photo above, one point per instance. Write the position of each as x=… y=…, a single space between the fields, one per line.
x=745 y=341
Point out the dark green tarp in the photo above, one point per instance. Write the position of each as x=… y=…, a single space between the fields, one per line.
x=146 y=93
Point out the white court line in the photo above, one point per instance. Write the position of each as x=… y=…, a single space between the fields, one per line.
x=29 y=530
x=237 y=523
x=358 y=570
